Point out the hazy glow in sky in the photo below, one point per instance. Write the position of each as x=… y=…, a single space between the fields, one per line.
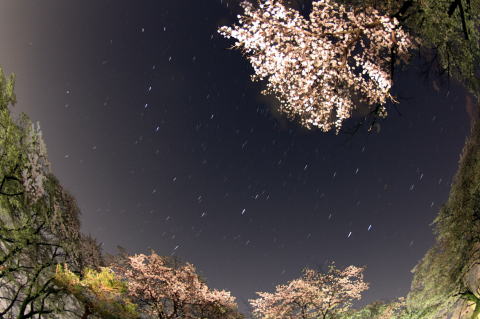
x=158 y=132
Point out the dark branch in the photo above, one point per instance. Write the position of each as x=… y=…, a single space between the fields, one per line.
x=451 y=10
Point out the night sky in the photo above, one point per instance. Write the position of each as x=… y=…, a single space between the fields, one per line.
x=156 y=129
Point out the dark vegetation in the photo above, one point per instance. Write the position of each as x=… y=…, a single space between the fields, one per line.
x=49 y=269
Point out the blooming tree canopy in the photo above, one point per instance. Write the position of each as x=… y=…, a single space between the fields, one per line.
x=314 y=295
x=170 y=291
x=321 y=68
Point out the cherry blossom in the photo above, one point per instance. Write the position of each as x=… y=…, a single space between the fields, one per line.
x=323 y=67
x=314 y=295
x=166 y=289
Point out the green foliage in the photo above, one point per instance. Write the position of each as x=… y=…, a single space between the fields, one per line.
x=39 y=225
x=448 y=33
x=101 y=292
x=7 y=94
x=451 y=29
x=439 y=278
x=380 y=310
x=26 y=255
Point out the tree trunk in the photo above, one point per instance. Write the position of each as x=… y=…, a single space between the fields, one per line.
x=87 y=312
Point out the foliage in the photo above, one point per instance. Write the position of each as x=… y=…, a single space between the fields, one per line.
x=164 y=288
x=344 y=55
x=448 y=31
x=321 y=67
x=25 y=252
x=380 y=310
x=100 y=292
x=39 y=224
x=439 y=279
x=314 y=295
x=451 y=29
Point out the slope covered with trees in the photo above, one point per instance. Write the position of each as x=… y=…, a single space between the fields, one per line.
x=39 y=225
x=450 y=271
x=49 y=269
x=446 y=283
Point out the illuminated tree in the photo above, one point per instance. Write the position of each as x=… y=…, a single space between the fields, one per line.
x=314 y=295
x=39 y=225
x=449 y=271
x=381 y=310
x=100 y=292
x=27 y=251
x=165 y=289
x=450 y=34
x=323 y=67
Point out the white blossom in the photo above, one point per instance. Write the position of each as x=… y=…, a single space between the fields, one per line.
x=314 y=295
x=173 y=292
x=321 y=68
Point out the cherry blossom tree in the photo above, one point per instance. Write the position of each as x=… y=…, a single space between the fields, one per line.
x=314 y=295
x=169 y=290
x=322 y=68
